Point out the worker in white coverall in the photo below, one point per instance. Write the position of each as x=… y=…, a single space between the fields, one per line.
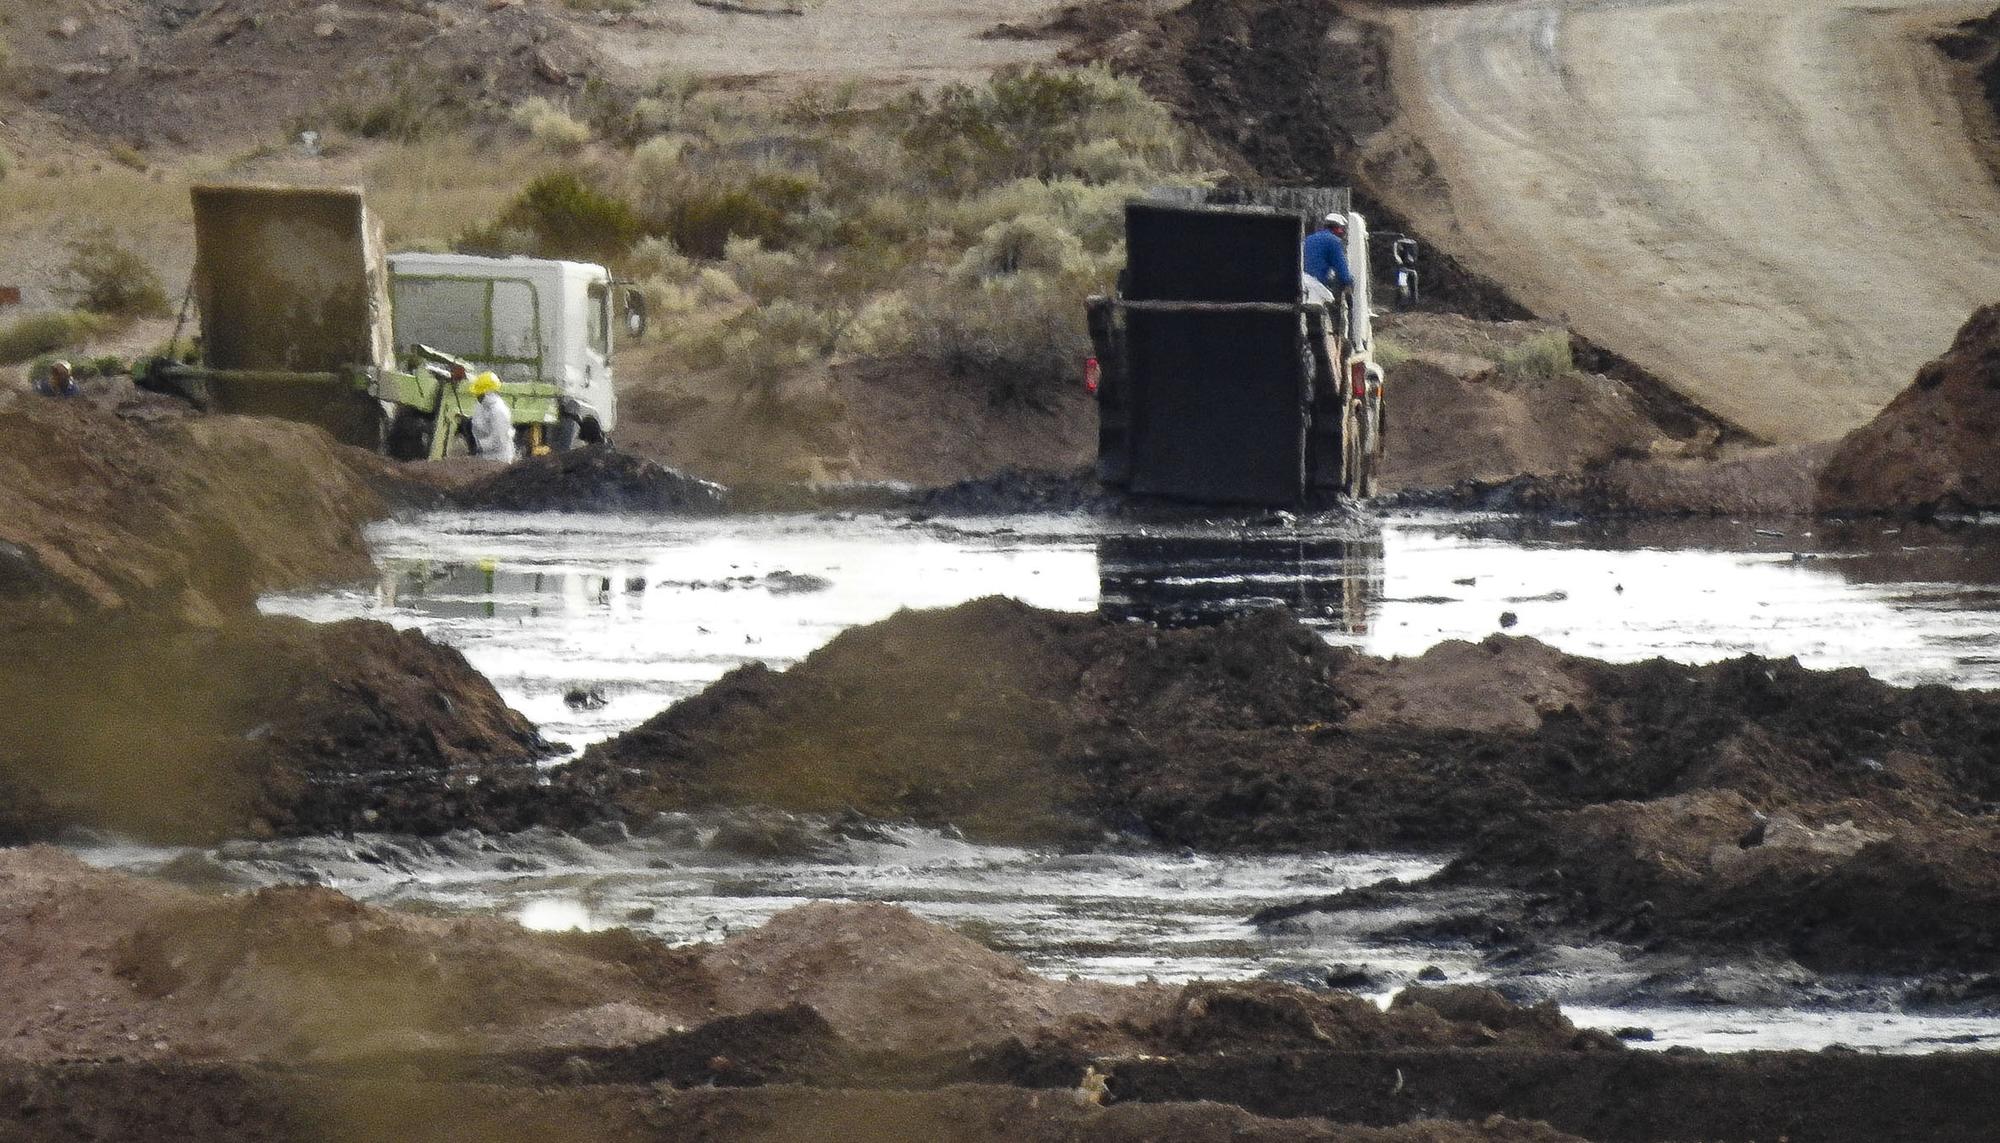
x=492 y=421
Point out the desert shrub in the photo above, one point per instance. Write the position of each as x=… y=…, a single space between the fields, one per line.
x=1026 y=244
x=1543 y=357
x=105 y=278
x=566 y=217
x=763 y=274
x=417 y=103
x=1027 y=123
x=1390 y=353
x=1101 y=161
x=1021 y=334
x=659 y=258
x=550 y=126
x=711 y=207
x=31 y=336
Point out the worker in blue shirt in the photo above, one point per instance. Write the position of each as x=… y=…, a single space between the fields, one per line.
x=1326 y=254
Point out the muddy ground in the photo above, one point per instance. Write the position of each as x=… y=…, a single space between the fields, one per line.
x=142 y=1010
x=1931 y=452
x=1744 y=805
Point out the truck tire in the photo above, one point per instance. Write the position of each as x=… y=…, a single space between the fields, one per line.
x=1351 y=458
x=567 y=431
x=1370 y=454
x=406 y=435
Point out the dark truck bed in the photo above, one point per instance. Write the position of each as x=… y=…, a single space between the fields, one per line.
x=1214 y=380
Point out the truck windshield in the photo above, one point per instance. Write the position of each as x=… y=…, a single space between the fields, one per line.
x=599 y=320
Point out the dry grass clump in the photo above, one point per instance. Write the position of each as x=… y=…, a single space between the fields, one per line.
x=1543 y=357
x=551 y=126
x=103 y=277
x=31 y=336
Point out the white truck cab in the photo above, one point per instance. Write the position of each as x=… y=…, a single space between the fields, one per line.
x=529 y=320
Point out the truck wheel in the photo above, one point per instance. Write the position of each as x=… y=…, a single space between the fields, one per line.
x=1350 y=450
x=567 y=430
x=1370 y=447
x=406 y=435
x=591 y=433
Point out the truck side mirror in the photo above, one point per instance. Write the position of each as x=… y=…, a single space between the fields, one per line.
x=635 y=314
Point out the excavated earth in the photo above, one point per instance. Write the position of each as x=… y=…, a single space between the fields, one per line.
x=1935 y=450
x=144 y=692
x=136 y=1009
x=1744 y=805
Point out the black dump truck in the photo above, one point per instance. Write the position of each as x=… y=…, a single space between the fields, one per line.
x=1217 y=380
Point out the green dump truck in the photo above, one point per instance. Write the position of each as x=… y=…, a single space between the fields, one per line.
x=303 y=316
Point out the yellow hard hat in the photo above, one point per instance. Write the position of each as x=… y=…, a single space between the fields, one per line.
x=484 y=383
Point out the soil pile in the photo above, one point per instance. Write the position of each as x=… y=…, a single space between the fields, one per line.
x=147 y=695
x=255 y=726
x=594 y=478
x=139 y=1010
x=189 y=517
x=1936 y=448
x=1456 y=413
x=1021 y=724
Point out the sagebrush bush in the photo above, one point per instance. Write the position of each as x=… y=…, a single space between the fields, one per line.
x=566 y=217
x=550 y=126
x=416 y=103
x=1028 y=244
x=36 y=334
x=104 y=277
x=1543 y=357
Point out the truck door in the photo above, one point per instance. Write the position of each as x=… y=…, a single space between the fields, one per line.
x=1216 y=354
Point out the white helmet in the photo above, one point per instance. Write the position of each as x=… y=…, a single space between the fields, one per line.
x=1337 y=220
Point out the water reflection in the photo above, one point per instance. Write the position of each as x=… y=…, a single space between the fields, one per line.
x=1329 y=581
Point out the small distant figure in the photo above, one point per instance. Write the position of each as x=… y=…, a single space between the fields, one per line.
x=1094 y=1086
x=59 y=381
x=492 y=421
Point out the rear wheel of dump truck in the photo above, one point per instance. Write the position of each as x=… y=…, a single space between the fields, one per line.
x=1350 y=450
x=564 y=436
x=406 y=434
x=1369 y=450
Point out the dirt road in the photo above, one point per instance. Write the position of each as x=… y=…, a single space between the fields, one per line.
x=1774 y=205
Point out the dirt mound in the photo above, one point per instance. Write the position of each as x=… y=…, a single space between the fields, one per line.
x=220 y=1104
x=1021 y=724
x=188 y=517
x=1211 y=1018
x=255 y=726
x=1937 y=446
x=154 y=74
x=595 y=478
x=885 y=979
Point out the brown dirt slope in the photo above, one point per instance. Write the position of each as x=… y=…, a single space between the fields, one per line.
x=186 y=516
x=150 y=74
x=1937 y=446
x=255 y=726
x=1022 y=724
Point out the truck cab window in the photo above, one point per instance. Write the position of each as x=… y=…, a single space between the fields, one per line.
x=598 y=320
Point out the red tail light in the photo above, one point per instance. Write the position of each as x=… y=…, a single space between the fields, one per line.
x=458 y=372
x=1357 y=375
x=1092 y=374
